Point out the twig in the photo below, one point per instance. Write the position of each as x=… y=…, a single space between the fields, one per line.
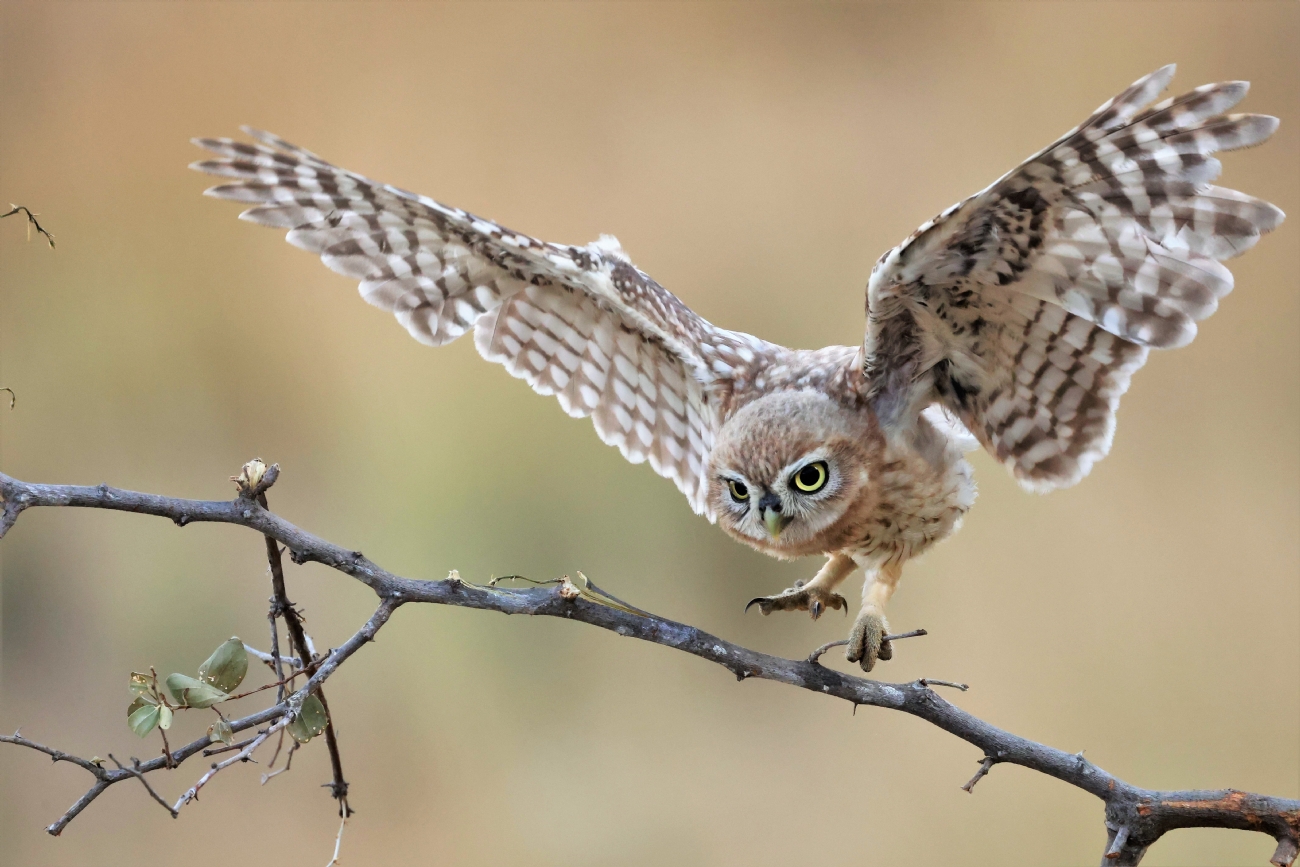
x=280 y=684
x=13 y=398
x=279 y=745
x=31 y=221
x=288 y=759
x=268 y=658
x=930 y=681
x=134 y=770
x=985 y=766
x=192 y=794
x=276 y=661
x=817 y=654
x=55 y=755
x=225 y=748
x=338 y=841
x=167 y=748
x=338 y=786
x=1118 y=839
x=815 y=657
x=1148 y=814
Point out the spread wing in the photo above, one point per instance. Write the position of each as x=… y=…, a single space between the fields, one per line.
x=1026 y=308
x=580 y=323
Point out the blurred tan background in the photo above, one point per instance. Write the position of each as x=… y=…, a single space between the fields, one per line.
x=755 y=159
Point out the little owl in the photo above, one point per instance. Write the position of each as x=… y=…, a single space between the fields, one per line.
x=1013 y=320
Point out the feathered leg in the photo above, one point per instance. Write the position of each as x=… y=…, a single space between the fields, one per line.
x=866 y=641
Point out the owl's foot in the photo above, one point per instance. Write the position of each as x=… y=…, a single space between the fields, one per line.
x=867 y=640
x=801 y=597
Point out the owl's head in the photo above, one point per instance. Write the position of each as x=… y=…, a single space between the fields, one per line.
x=790 y=473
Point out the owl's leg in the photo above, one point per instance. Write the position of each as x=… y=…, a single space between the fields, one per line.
x=866 y=641
x=814 y=596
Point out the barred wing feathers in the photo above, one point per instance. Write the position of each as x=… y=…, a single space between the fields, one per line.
x=580 y=323
x=1026 y=308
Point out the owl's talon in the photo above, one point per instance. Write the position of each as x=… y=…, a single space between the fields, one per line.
x=808 y=598
x=867 y=642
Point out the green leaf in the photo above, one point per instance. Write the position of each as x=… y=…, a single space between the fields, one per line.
x=164 y=717
x=226 y=667
x=221 y=731
x=143 y=719
x=189 y=692
x=310 y=721
x=140 y=701
x=141 y=683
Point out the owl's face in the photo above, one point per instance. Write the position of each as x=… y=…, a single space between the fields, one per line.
x=790 y=473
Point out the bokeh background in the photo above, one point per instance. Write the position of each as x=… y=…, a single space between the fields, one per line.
x=756 y=159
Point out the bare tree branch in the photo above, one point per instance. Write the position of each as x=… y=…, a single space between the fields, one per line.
x=192 y=794
x=55 y=755
x=254 y=480
x=135 y=771
x=1135 y=817
x=82 y=803
x=31 y=221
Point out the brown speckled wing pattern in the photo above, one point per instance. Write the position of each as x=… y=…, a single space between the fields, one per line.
x=580 y=323
x=1026 y=308
x=1022 y=310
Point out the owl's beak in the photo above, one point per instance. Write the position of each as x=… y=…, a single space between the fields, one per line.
x=774 y=521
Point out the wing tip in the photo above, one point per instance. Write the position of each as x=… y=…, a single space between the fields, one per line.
x=1274 y=216
x=1163 y=76
x=207 y=167
x=1268 y=124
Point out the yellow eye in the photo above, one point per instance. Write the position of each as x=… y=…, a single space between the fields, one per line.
x=739 y=492
x=811 y=478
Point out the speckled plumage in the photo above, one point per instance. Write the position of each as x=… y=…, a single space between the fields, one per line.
x=1018 y=315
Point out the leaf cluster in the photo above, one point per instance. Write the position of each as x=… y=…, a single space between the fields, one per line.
x=218 y=677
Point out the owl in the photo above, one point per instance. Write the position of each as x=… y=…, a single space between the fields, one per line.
x=1012 y=321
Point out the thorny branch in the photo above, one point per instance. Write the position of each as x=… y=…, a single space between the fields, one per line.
x=242 y=756
x=254 y=481
x=135 y=771
x=1135 y=817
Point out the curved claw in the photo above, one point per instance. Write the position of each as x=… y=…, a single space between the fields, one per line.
x=835 y=600
x=799 y=598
